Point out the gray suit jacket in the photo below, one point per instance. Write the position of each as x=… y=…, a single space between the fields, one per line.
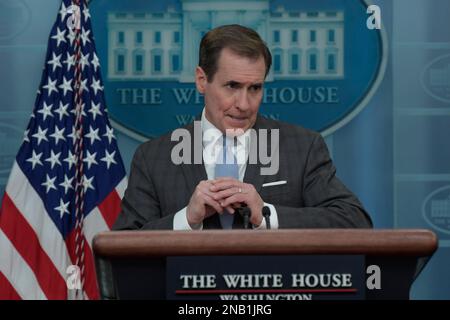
x=312 y=198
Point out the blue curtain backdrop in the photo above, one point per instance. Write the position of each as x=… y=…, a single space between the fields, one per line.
x=395 y=154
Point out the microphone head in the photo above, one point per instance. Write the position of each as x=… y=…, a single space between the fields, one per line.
x=266 y=211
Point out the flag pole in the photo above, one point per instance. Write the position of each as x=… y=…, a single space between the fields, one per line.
x=79 y=191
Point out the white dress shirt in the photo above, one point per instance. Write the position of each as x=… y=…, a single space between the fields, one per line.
x=212 y=143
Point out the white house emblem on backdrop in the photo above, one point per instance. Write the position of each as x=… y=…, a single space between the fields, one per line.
x=326 y=62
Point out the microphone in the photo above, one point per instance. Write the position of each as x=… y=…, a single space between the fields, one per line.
x=266 y=214
x=245 y=212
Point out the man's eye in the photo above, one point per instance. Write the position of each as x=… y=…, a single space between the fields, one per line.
x=255 y=88
x=232 y=85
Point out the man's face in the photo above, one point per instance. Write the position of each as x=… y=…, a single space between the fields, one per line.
x=233 y=97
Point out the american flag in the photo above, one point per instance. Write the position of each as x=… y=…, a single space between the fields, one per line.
x=68 y=177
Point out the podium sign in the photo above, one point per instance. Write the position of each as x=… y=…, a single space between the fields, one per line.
x=308 y=277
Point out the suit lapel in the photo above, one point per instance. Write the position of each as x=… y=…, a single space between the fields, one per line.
x=194 y=172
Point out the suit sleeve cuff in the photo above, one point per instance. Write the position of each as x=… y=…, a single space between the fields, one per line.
x=273 y=219
x=180 y=221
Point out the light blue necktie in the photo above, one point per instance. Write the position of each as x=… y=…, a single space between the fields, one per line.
x=227 y=166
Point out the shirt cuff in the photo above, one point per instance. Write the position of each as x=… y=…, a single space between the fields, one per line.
x=180 y=221
x=273 y=219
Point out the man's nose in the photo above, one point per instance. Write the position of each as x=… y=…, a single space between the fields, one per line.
x=242 y=99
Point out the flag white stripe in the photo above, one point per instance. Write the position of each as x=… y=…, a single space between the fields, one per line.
x=32 y=208
x=17 y=271
x=93 y=224
x=121 y=187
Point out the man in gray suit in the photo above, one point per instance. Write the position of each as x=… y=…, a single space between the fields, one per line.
x=303 y=192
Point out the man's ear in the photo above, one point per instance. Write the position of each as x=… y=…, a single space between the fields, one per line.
x=200 y=79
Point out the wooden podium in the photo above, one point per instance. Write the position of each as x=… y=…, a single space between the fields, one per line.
x=129 y=263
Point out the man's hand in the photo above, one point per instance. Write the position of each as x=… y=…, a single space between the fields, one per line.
x=230 y=192
x=202 y=205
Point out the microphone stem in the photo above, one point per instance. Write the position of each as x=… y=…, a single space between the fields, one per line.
x=266 y=217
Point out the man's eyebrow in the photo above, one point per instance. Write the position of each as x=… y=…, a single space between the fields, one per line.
x=232 y=82
x=237 y=83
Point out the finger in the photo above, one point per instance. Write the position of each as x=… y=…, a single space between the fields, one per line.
x=230 y=209
x=220 y=209
x=205 y=184
x=238 y=197
x=222 y=180
x=206 y=191
x=226 y=184
x=204 y=187
x=225 y=193
x=212 y=203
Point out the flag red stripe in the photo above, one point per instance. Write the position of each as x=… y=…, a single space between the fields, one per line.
x=91 y=275
x=110 y=208
x=26 y=242
x=7 y=291
x=90 y=282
